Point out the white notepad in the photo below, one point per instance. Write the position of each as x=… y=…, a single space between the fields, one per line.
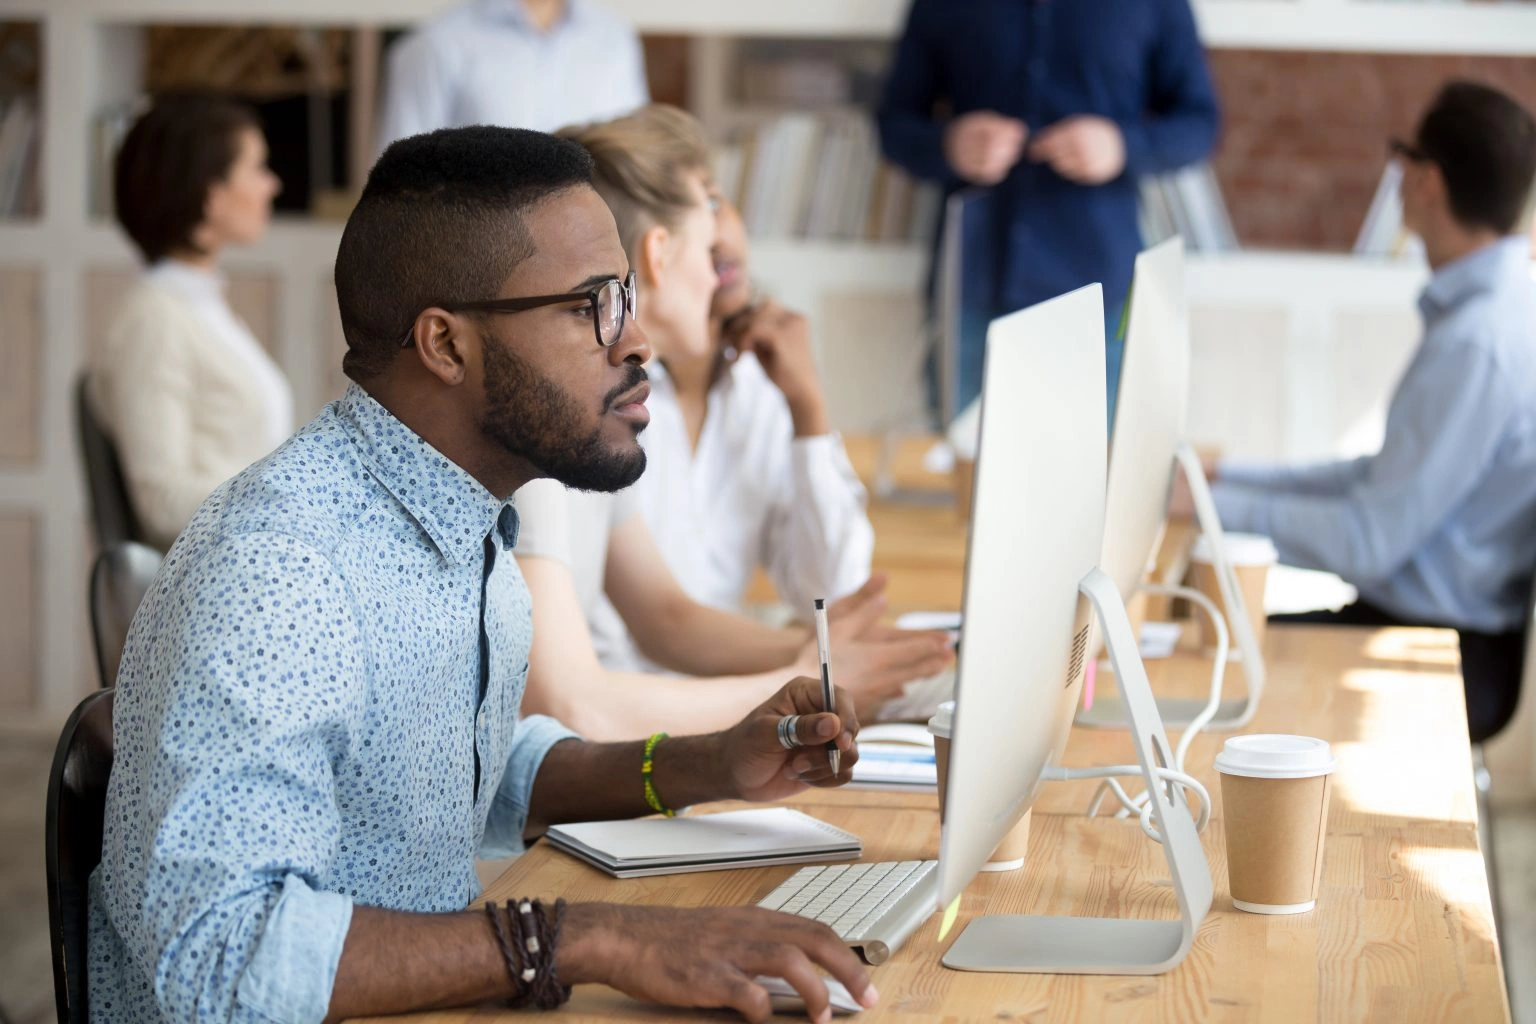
x=707 y=842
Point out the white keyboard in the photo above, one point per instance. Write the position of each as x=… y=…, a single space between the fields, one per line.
x=872 y=907
x=919 y=700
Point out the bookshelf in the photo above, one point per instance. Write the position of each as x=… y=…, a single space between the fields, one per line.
x=21 y=117
x=1305 y=320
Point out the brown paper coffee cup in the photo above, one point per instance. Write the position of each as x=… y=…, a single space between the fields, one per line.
x=1251 y=558
x=1275 y=808
x=1011 y=851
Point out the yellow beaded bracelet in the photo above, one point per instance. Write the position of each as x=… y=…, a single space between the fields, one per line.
x=647 y=765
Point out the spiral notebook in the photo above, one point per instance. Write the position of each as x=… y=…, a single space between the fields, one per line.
x=706 y=842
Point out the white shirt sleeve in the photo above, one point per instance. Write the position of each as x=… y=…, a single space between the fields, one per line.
x=418 y=90
x=543 y=521
x=819 y=541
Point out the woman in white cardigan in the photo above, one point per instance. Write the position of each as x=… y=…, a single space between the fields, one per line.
x=187 y=393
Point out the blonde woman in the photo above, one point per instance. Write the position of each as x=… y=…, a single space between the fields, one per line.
x=590 y=560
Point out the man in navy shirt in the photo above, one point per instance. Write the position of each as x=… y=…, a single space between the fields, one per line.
x=1053 y=109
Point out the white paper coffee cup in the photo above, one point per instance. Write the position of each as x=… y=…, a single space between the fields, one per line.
x=1252 y=556
x=1274 y=794
x=1011 y=851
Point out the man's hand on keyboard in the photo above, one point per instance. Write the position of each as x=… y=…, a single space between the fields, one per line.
x=759 y=766
x=707 y=957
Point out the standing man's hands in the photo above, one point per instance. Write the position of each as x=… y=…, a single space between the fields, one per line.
x=707 y=957
x=983 y=146
x=781 y=340
x=1087 y=149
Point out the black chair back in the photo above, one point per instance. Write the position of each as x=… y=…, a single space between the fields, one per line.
x=112 y=515
x=119 y=579
x=77 y=797
x=1494 y=667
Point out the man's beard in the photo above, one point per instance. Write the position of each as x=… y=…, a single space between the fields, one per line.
x=534 y=419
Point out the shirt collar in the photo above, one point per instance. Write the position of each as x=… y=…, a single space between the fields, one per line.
x=513 y=12
x=1478 y=271
x=454 y=510
x=197 y=283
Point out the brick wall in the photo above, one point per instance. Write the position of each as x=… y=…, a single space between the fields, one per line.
x=1305 y=136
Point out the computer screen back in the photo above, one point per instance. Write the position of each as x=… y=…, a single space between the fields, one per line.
x=1036 y=530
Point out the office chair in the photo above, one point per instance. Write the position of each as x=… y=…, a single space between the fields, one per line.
x=112 y=515
x=77 y=796
x=119 y=579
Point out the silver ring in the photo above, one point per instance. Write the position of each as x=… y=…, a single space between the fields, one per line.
x=789 y=737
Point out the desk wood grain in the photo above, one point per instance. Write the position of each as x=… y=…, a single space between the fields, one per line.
x=1403 y=930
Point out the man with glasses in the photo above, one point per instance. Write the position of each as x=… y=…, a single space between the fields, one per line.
x=317 y=720
x=1439 y=526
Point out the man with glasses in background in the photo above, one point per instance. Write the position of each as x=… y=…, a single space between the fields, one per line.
x=1439 y=526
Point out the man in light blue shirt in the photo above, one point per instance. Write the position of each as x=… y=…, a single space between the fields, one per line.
x=1439 y=526
x=540 y=64
x=317 y=722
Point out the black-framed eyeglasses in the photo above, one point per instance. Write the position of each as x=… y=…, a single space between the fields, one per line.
x=1408 y=151
x=612 y=303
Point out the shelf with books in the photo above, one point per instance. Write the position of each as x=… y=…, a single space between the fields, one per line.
x=21 y=120
x=1346 y=25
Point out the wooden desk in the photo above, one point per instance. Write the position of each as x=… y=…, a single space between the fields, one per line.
x=1404 y=927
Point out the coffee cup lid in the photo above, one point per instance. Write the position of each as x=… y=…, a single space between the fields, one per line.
x=943 y=719
x=1274 y=756
x=1241 y=549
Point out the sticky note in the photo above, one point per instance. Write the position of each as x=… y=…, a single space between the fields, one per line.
x=1090 y=674
x=950 y=915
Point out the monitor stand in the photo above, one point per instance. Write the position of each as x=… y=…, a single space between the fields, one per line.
x=1109 y=712
x=1100 y=945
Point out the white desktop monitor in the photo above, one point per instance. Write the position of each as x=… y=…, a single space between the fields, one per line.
x=1148 y=442
x=1149 y=416
x=1036 y=534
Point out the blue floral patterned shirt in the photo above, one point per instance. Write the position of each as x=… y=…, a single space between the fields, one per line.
x=317 y=706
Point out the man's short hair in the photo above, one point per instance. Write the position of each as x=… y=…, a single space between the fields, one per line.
x=440 y=221
x=643 y=161
x=1485 y=146
x=178 y=150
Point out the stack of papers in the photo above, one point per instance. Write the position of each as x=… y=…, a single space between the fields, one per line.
x=708 y=842
x=895 y=766
x=896 y=756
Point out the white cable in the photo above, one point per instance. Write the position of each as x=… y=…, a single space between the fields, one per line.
x=1138 y=804
x=1112 y=773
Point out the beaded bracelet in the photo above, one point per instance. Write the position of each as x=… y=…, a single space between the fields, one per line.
x=647 y=766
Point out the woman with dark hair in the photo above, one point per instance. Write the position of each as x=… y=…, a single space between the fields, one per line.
x=186 y=391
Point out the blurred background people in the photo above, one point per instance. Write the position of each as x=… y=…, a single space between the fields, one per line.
x=743 y=470
x=187 y=393
x=1052 y=111
x=515 y=63
x=599 y=582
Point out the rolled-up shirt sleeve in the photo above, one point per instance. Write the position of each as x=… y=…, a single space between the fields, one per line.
x=224 y=823
x=1443 y=428
x=508 y=819
x=820 y=542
